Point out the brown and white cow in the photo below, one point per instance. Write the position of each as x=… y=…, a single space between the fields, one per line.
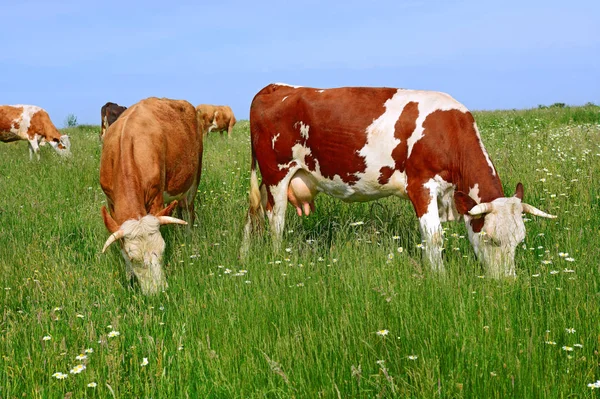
x=109 y=114
x=361 y=144
x=151 y=155
x=217 y=118
x=31 y=123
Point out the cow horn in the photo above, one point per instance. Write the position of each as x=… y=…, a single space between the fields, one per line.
x=485 y=207
x=169 y=220
x=536 y=212
x=117 y=235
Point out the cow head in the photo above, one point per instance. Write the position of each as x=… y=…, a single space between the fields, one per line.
x=142 y=246
x=496 y=228
x=62 y=146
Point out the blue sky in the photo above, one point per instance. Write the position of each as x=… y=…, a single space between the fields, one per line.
x=73 y=56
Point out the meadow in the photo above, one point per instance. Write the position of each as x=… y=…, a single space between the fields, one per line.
x=346 y=310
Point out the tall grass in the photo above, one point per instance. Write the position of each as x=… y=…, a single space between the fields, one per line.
x=345 y=310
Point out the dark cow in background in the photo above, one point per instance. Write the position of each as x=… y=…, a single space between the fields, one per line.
x=31 y=123
x=109 y=114
x=151 y=155
x=217 y=118
x=361 y=144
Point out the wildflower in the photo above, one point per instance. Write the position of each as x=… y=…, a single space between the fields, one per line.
x=400 y=250
x=553 y=271
x=395 y=237
x=390 y=256
x=563 y=254
x=567 y=348
x=357 y=223
x=493 y=373
x=412 y=357
x=578 y=346
x=57 y=309
x=382 y=333
x=570 y=330
x=79 y=315
x=546 y=262
x=180 y=348
x=92 y=385
x=419 y=245
x=144 y=362
x=568 y=271
x=594 y=385
x=78 y=369
x=535 y=275
x=550 y=343
x=380 y=362
x=227 y=271
x=570 y=259
x=46 y=338
x=89 y=350
x=113 y=333
x=81 y=356
x=59 y=376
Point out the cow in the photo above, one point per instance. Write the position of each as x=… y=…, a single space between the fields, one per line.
x=31 y=123
x=108 y=115
x=361 y=144
x=217 y=118
x=151 y=155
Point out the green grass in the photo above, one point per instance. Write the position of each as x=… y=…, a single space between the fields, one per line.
x=304 y=323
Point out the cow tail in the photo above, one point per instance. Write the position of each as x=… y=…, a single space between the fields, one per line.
x=256 y=212
x=255 y=220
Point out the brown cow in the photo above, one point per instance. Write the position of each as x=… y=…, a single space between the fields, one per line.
x=31 y=123
x=217 y=118
x=361 y=144
x=109 y=114
x=152 y=154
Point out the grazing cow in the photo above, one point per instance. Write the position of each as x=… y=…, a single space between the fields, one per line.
x=217 y=118
x=109 y=114
x=361 y=144
x=152 y=154
x=31 y=123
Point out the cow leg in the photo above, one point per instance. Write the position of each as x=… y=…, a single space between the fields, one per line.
x=424 y=199
x=276 y=212
x=34 y=148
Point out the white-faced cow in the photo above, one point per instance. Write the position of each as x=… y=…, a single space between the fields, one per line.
x=361 y=144
x=217 y=118
x=31 y=123
x=152 y=154
x=109 y=113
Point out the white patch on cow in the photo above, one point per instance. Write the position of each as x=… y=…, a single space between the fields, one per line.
x=487 y=157
x=428 y=102
x=288 y=85
x=320 y=91
x=474 y=193
x=304 y=130
x=284 y=98
x=24 y=120
x=431 y=227
x=273 y=140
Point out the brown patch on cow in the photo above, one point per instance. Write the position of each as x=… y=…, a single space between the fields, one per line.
x=403 y=129
x=337 y=120
x=477 y=224
x=450 y=148
x=310 y=162
x=10 y=118
x=42 y=125
x=385 y=174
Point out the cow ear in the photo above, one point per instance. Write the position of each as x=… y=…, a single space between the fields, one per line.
x=168 y=210
x=463 y=202
x=519 y=191
x=109 y=222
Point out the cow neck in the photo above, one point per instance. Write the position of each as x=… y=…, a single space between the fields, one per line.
x=475 y=173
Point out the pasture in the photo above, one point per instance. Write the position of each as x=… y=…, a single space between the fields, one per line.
x=346 y=310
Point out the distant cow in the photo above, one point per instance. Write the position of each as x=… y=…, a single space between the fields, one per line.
x=217 y=118
x=109 y=114
x=361 y=144
x=152 y=154
x=31 y=123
